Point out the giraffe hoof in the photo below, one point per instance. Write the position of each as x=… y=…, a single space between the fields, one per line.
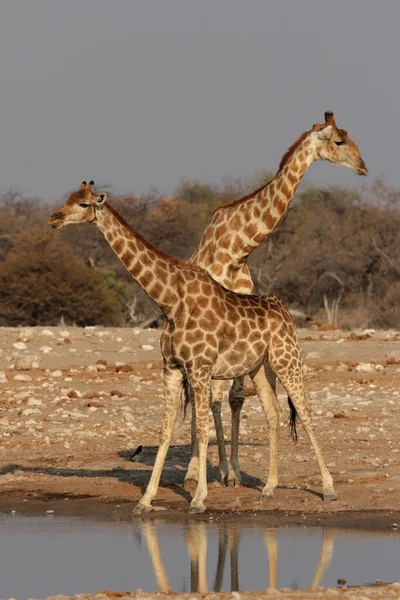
x=141 y=509
x=266 y=496
x=329 y=497
x=196 y=509
x=234 y=482
x=189 y=484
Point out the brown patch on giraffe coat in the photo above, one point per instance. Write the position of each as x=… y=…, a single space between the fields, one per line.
x=225 y=242
x=170 y=297
x=251 y=230
x=220 y=230
x=236 y=223
x=202 y=301
x=157 y=289
x=217 y=269
x=243 y=284
x=184 y=352
x=199 y=348
x=269 y=220
x=146 y=279
x=127 y=258
x=285 y=189
x=118 y=245
x=193 y=287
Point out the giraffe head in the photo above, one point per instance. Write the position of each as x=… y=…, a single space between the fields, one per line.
x=81 y=207
x=334 y=144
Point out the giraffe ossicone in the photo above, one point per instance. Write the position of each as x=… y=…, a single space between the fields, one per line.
x=211 y=333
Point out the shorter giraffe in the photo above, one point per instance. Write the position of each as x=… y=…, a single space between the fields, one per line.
x=211 y=333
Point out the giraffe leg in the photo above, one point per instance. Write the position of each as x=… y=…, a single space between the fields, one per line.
x=270 y=375
x=236 y=399
x=216 y=405
x=201 y=383
x=273 y=412
x=172 y=389
x=291 y=377
x=192 y=473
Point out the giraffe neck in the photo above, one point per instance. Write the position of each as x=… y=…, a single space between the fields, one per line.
x=273 y=201
x=155 y=272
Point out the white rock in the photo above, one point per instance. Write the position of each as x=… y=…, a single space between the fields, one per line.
x=19 y=346
x=365 y=368
x=3 y=377
x=128 y=417
x=47 y=333
x=34 y=402
x=46 y=349
x=64 y=333
x=26 y=362
x=22 y=378
x=56 y=374
x=91 y=369
x=31 y=411
x=147 y=347
x=313 y=355
x=4 y=422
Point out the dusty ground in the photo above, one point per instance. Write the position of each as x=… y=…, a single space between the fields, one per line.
x=74 y=403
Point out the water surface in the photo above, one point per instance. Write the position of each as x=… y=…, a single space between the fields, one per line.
x=44 y=556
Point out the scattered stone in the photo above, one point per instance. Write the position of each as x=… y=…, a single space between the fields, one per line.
x=117 y=393
x=91 y=369
x=27 y=412
x=56 y=374
x=34 y=402
x=45 y=349
x=22 y=378
x=19 y=346
x=128 y=417
x=147 y=347
x=3 y=377
x=26 y=363
x=47 y=333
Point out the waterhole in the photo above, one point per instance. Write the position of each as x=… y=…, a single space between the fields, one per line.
x=44 y=556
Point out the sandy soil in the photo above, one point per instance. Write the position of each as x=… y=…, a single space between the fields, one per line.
x=75 y=403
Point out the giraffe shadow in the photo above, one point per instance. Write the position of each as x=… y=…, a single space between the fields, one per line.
x=177 y=460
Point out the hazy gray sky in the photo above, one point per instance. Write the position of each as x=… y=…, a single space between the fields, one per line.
x=140 y=93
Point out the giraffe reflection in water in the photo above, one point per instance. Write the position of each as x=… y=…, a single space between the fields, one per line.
x=196 y=533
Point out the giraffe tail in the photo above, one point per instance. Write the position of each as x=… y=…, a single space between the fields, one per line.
x=292 y=420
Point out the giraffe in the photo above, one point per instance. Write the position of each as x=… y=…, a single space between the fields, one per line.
x=235 y=230
x=211 y=333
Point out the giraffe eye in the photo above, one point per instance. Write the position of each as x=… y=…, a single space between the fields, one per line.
x=84 y=205
x=339 y=143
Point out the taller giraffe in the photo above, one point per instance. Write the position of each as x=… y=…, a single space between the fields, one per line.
x=236 y=229
x=211 y=333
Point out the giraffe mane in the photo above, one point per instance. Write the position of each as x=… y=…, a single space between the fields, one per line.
x=289 y=153
x=243 y=198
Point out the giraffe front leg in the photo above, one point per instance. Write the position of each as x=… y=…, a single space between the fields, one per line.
x=201 y=383
x=172 y=389
x=273 y=412
x=236 y=399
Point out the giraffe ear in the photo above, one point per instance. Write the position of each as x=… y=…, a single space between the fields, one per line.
x=325 y=133
x=101 y=198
